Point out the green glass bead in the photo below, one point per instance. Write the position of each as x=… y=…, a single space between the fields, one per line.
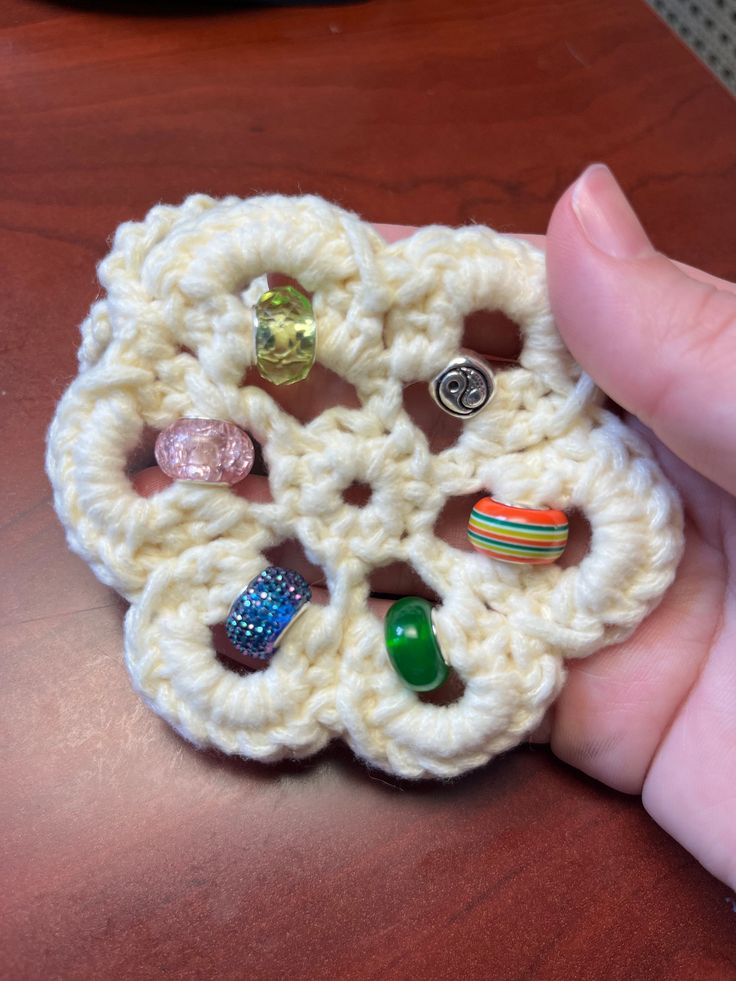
x=412 y=644
x=285 y=335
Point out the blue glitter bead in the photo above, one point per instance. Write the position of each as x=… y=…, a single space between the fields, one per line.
x=265 y=609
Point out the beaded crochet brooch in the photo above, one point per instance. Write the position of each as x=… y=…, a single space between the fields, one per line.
x=187 y=311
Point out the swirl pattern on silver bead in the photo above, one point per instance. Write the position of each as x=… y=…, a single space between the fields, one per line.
x=464 y=387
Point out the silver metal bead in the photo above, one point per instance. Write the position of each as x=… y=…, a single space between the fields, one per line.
x=464 y=387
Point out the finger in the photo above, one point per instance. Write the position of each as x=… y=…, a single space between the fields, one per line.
x=150 y=481
x=690 y=789
x=704 y=277
x=657 y=340
x=617 y=704
x=394 y=233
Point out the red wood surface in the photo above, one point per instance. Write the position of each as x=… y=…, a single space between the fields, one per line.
x=128 y=854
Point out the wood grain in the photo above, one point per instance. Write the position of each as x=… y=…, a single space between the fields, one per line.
x=127 y=854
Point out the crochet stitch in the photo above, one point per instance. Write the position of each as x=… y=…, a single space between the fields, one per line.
x=172 y=338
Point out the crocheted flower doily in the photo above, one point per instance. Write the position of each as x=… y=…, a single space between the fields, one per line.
x=173 y=338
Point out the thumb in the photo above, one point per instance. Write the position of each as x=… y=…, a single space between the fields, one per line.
x=657 y=339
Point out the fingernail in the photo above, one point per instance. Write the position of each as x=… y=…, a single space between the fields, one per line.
x=605 y=216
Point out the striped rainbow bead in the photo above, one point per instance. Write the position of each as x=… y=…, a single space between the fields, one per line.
x=534 y=536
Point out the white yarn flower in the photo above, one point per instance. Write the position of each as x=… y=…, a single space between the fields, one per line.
x=172 y=338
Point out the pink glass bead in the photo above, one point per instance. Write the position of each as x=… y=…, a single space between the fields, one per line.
x=208 y=451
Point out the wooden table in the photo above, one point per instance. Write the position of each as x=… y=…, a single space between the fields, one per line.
x=128 y=854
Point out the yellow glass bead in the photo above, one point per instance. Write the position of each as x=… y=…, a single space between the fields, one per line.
x=285 y=335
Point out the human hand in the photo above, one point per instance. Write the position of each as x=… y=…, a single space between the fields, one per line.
x=654 y=715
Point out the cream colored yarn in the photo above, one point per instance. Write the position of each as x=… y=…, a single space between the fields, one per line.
x=173 y=337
